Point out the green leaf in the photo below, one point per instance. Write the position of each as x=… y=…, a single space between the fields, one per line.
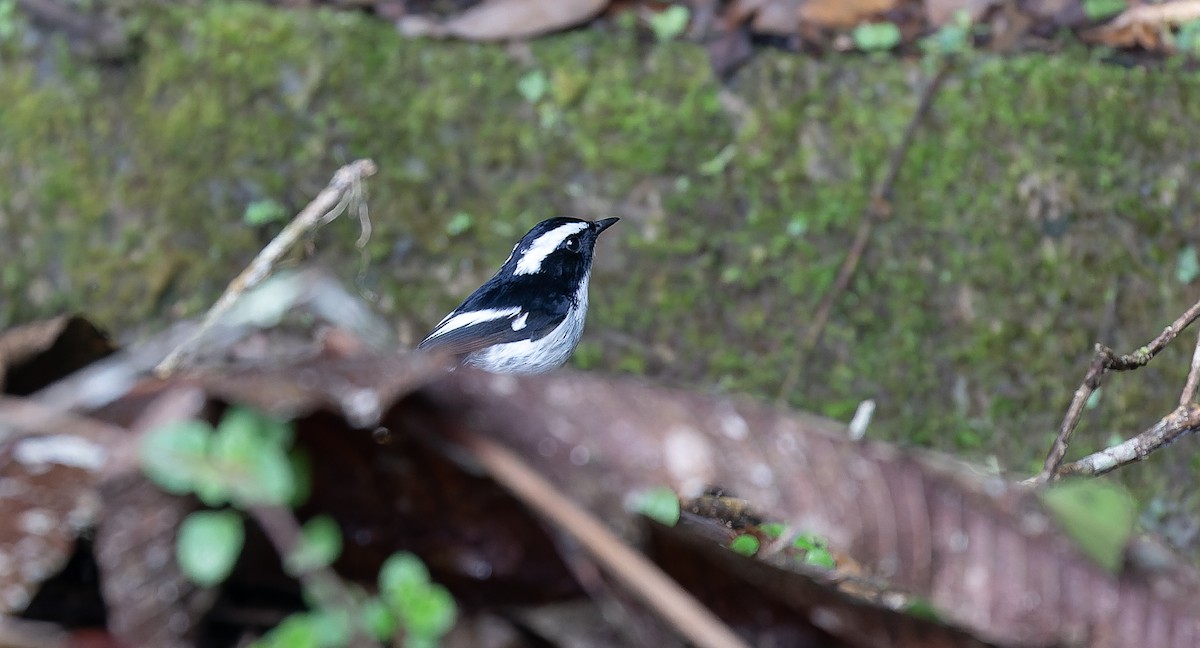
x=1093 y=400
x=719 y=162
x=1187 y=268
x=1101 y=9
x=401 y=574
x=920 y=608
x=425 y=609
x=772 y=529
x=174 y=455
x=378 y=619
x=296 y=631
x=458 y=223
x=670 y=23
x=431 y=614
x=208 y=545
x=876 y=37
x=745 y=544
x=263 y=212
x=814 y=550
x=820 y=557
x=320 y=544
x=249 y=451
x=533 y=86
x=1098 y=515
x=658 y=504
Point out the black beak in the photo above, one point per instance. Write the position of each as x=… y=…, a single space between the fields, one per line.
x=602 y=225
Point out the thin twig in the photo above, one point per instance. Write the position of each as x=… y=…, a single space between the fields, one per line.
x=328 y=204
x=1103 y=362
x=662 y=594
x=1188 y=395
x=1184 y=420
x=879 y=209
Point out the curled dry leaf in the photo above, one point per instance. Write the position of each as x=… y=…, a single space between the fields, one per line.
x=785 y=17
x=36 y=354
x=513 y=19
x=985 y=554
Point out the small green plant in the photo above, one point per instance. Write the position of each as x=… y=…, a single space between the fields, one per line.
x=245 y=465
x=1101 y=9
x=460 y=222
x=264 y=212
x=658 y=504
x=955 y=37
x=1187 y=267
x=670 y=23
x=876 y=37
x=813 y=550
x=1187 y=40
x=533 y=86
x=1098 y=515
x=745 y=544
x=8 y=19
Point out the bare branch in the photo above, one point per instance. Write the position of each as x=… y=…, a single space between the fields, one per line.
x=344 y=188
x=1105 y=361
x=1184 y=420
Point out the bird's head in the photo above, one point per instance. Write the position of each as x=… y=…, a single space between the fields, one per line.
x=556 y=248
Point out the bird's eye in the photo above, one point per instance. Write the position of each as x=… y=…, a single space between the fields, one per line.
x=572 y=244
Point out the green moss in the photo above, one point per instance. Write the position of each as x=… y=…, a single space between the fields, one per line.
x=1040 y=190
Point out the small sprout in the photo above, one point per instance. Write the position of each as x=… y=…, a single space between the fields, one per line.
x=658 y=504
x=1093 y=401
x=1187 y=268
x=208 y=545
x=425 y=609
x=718 y=163
x=745 y=544
x=320 y=544
x=920 y=608
x=953 y=38
x=174 y=455
x=248 y=449
x=458 y=223
x=772 y=529
x=263 y=212
x=876 y=37
x=533 y=86
x=670 y=23
x=814 y=550
x=1098 y=515
x=1101 y=9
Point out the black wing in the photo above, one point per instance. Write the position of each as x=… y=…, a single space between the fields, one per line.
x=515 y=327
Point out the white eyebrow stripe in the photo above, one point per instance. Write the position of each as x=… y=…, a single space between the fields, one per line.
x=472 y=317
x=531 y=260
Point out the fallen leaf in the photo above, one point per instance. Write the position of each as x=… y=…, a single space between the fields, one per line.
x=512 y=19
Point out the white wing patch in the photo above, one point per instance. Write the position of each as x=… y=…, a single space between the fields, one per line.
x=519 y=323
x=460 y=320
x=542 y=246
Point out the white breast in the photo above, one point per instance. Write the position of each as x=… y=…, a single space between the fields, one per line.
x=537 y=356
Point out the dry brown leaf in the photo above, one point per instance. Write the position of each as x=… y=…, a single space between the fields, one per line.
x=842 y=14
x=513 y=19
x=985 y=553
x=36 y=354
x=1145 y=26
x=47 y=474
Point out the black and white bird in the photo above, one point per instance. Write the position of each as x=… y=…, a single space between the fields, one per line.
x=528 y=317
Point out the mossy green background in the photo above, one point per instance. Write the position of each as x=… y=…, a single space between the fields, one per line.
x=1043 y=207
